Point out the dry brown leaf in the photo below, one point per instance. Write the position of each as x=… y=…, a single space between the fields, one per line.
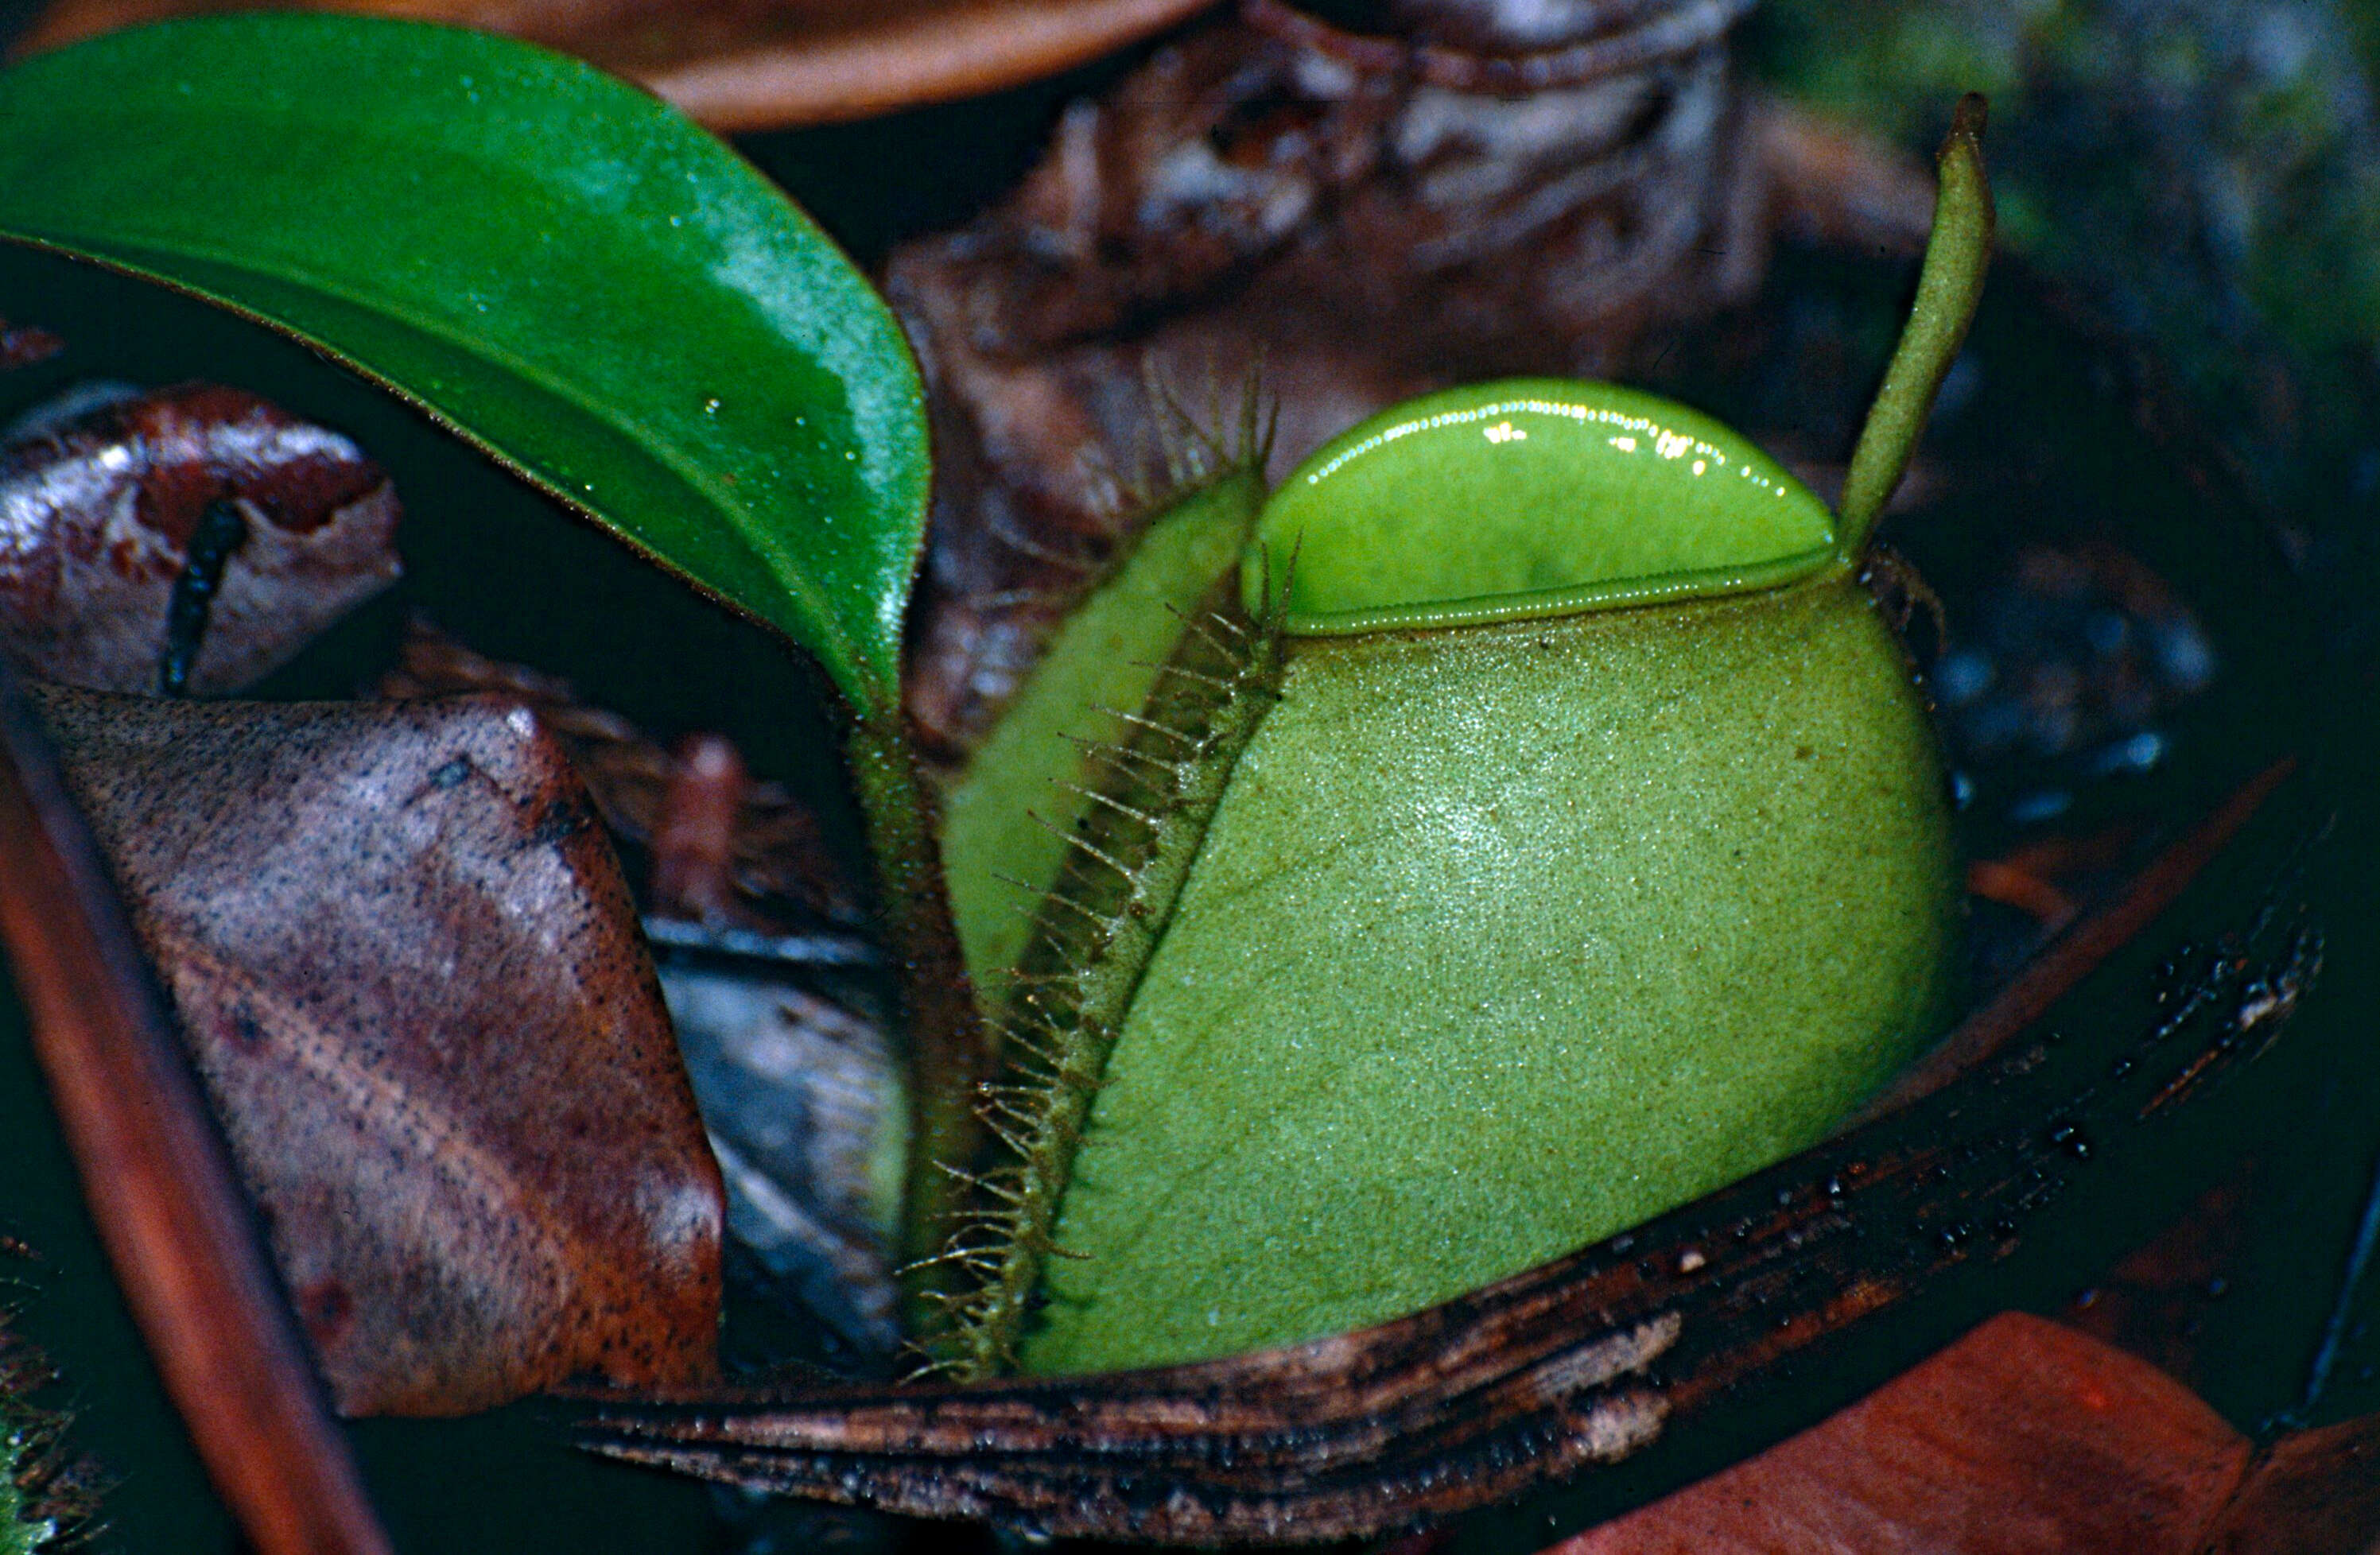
x=157 y=1178
x=2023 y=1439
x=740 y=65
x=777 y=856
x=2315 y=1493
x=410 y=976
x=101 y=506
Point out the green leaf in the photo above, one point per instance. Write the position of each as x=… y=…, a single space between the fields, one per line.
x=562 y=269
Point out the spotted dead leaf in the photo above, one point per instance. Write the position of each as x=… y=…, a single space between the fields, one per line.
x=777 y=859
x=798 y=1093
x=408 y=972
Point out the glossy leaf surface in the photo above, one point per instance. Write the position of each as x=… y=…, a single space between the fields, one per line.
x=563 y=270
x=1532 y=496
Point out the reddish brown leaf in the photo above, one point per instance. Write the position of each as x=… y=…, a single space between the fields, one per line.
x=97 y=517
x=155 y=1174
x=778 y=854
x=755 y=63
x=694 y=841
x=2023 y=1439
x=2156 y=1303
x=2315 y=1493
x=2029 y=1438
x=2049 y=975
x=410 y=976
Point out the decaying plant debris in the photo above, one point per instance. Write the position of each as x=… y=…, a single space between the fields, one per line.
x=103 y=501
x=474 y=1142
x=1263 y=195
x=153 y=1170
x=50 y=1501
x=776 y=866
x=1346 y=220
x=2023 y=1436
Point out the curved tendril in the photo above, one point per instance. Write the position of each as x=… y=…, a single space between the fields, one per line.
x=1957 y=254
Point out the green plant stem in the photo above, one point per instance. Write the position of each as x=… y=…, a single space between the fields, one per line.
x=1957 y=254
x=947 y=1055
